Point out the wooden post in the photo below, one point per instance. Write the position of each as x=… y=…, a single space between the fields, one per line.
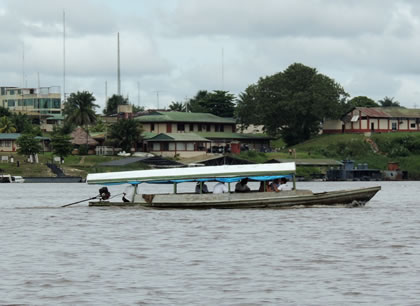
x=175 y=187
x=229 y=187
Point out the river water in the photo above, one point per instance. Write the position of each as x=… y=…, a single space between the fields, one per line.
x=108 y=256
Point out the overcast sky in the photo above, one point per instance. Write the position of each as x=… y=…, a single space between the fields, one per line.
x=177 y=47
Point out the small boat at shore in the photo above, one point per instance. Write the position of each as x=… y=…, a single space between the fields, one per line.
x=229 y=200
x=7 y=178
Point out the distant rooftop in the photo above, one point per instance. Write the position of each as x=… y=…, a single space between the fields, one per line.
x=184 y=117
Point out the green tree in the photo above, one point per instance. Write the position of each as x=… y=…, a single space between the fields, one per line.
x=246 y=111
x=219 y=103
x=195 y=104
x=99 y=126
x=126 y=134
x=138 y=109
x=178 y=107
x=112 y=104
x=80 y=110
x=294 y=102
x=22 y=123
x=28 y=145
x=362 y=101
x=4 y=112
x=61 y=145
x=6 y=125
x=389 y=102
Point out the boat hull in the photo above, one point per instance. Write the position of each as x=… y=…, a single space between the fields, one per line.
x=271 y=200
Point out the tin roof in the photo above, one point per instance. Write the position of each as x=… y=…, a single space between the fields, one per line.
x=239 y=136
x=184 y=117
x=389 y=112
x=9 y=136
x=178 y=137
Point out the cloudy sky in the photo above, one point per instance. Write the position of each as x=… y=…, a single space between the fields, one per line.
x=170 y=49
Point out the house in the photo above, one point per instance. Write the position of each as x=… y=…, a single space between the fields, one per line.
x=192 y=134
x=375 y=119
x=8 y=142
x=43 y=105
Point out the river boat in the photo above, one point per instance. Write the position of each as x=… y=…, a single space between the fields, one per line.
x=7 y=178
x=228 y=174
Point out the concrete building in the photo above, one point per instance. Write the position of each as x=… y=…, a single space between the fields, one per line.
x=43 y=105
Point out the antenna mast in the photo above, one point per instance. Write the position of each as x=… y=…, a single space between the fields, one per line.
x=64 y=55
x=118 y=65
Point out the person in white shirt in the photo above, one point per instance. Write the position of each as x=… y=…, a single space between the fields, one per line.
x=220 y=188
x=279 y=185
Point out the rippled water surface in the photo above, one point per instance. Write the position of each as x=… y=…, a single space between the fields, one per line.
x=313 y=256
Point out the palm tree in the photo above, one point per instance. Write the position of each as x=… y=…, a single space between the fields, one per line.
x=6 y=125
x=80 y=110
x=388 y=102
x=178 y=107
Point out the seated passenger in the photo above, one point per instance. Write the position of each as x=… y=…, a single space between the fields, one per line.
x=279 y=185
x=264 y=186
x=242 y=186
x=220 y=188
x=204 y=190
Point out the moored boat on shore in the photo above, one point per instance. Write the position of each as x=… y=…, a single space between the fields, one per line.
x=228 y=174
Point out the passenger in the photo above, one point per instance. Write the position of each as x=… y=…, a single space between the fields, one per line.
x=204 y=190
x=242 y=186
x=220 y=188
x=279 y=185
x=264 y=186
x=104 y=194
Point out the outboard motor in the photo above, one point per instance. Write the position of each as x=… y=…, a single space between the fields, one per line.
x=104 y=193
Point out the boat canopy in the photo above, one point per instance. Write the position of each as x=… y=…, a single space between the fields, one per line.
x=225 y=173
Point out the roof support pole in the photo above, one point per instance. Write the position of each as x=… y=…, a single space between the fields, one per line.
x=134 y=193
x=294 y=181
x=175 y=187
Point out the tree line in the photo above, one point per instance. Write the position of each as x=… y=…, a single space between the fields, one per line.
x=290 y=104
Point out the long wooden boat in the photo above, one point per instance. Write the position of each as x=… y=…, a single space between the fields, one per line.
x=229 y=200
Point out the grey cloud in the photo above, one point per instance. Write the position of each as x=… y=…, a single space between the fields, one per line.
x=281 y=18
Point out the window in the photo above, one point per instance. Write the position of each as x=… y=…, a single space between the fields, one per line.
x=413 y=125
x=56 y=103
x=222 y=128
x=191 y=127
x=181 y=127
x=216 y=128
x=12 y=92
x=164 y=146
x=152 y=127
x=200 y=128
x=11 y=103
x=6 y=143
x=208 y=127
x=394 y=126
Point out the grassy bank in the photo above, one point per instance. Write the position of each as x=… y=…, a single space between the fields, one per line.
x=376 y=150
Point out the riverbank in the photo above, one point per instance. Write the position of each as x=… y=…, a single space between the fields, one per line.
x=376 y=151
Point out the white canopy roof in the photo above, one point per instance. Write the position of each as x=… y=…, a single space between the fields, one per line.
x=164 y=175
